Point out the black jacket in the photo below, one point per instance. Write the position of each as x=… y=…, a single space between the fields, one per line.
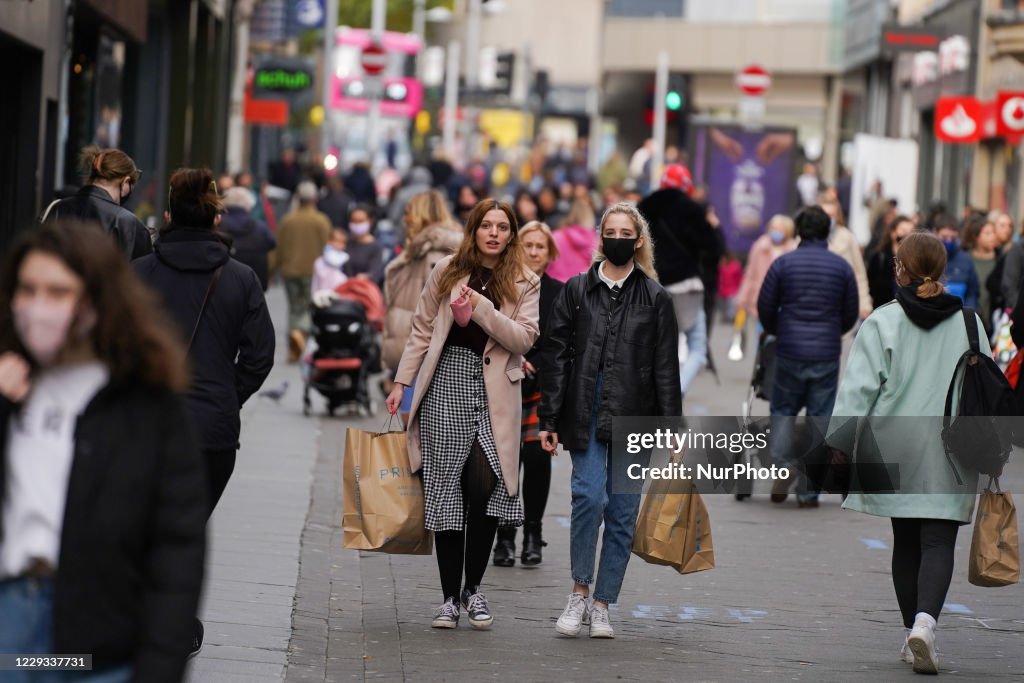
x=683 y=239
x=635 y=340
x=133 y=539
x=233 y=350
x=251 y=241
x=93 y=203
x=550 y=289
x=881 y=276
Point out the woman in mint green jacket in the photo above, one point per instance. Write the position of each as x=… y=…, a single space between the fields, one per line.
x=897 y=374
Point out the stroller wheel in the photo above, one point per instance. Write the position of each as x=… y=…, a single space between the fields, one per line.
x=742 y=496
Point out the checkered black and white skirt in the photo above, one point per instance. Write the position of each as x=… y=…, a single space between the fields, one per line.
x=453 y=415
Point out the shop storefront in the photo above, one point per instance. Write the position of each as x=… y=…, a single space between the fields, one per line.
x=945 y=169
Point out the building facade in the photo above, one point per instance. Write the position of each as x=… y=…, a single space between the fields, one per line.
x=31 y=33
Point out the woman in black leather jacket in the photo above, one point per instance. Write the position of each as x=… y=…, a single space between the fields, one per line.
x=110 y=176
x=611 y=351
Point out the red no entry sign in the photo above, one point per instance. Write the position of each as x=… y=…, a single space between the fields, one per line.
x=374 y=59
x=754 y=80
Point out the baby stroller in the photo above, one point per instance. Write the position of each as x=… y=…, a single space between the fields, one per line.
x=345 y=349
x=761 y=382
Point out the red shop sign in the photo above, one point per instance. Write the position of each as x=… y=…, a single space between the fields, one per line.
x=958 y=119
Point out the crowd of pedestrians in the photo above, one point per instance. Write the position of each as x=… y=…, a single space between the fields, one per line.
x=509 y=328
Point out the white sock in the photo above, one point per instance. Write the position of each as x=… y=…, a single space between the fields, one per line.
x=924 y=619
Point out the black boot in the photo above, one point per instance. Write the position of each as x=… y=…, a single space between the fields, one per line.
x=532 y=543
x=505 y=548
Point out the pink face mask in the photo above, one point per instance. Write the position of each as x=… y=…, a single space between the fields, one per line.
x=43 y=327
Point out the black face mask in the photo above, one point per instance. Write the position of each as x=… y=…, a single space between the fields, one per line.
x=125 y=195
x=619 y=250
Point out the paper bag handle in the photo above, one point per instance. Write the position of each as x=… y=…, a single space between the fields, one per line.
x=387 y=425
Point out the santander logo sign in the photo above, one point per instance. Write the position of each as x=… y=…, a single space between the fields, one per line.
x=958 y=119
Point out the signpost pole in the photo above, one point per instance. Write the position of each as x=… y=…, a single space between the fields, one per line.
x=373 y=122
x=451 y=99
x=660 y=91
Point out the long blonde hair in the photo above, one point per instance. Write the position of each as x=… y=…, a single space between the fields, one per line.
x=644 y=256
x=424 y=210
x=510 y=266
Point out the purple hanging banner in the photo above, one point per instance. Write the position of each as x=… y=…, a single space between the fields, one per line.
x=749 y=174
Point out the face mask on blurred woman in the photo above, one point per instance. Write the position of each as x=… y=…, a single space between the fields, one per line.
x=43 y=327
x=359 y=229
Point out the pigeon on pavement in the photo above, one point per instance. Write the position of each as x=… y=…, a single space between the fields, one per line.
x=275 y=394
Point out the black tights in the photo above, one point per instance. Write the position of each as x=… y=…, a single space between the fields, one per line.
x=536 y=464
x=922 y=565
x=470 y=549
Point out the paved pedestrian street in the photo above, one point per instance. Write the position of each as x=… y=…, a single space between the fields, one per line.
x=797 y=594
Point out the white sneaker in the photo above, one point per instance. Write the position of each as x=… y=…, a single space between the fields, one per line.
x=575 y=614
x=906 y=655
x=922 y=644
x=600 y=626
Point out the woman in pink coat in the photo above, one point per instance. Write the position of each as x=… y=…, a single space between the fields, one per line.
x=477 y=316
x=776 y=241
x=576 y=241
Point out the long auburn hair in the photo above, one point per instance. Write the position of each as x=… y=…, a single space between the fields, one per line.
x=132 y=336
x=510 y=266
x=644 y=256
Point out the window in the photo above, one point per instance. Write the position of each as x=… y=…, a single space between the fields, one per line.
x=644 y=8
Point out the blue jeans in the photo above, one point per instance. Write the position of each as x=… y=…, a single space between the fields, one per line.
x=799 y=385
x=26 y=627
x=594 y=502
x=696 y=351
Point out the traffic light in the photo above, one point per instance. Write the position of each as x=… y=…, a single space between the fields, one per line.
x=673 y=100
x=675 y=96
x=503 y=72
x=541 y=84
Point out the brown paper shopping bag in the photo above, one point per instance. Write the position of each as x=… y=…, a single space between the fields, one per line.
x=995 y=548
x=382 y=498
x=674 y=528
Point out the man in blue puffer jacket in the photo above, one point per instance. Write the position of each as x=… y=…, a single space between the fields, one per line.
x=808 y=301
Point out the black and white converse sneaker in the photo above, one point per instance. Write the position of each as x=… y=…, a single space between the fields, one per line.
x=447 y=615
x=476 y=607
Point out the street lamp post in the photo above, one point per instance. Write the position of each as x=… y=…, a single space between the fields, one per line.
x=330 y=28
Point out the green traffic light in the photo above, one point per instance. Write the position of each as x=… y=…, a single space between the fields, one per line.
x=673 y=100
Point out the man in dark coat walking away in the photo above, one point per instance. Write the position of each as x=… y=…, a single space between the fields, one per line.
x=337 y=203
x=251 y=241
x=808 y=300
x=683 y=240
x=222 y=316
